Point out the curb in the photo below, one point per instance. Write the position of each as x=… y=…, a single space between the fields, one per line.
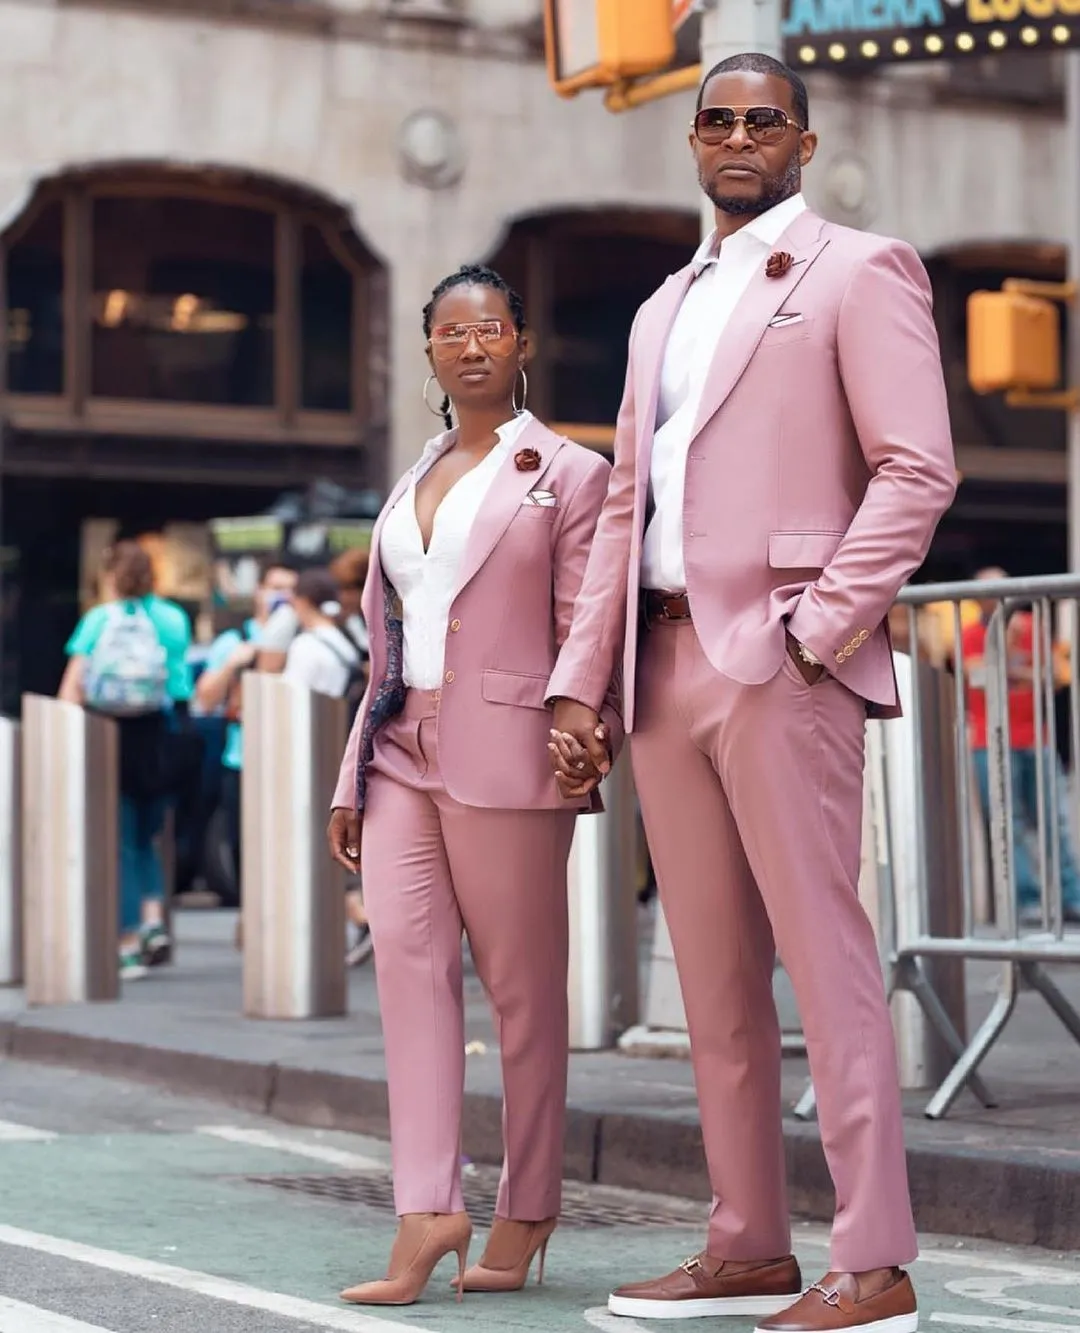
x=1027 y=1198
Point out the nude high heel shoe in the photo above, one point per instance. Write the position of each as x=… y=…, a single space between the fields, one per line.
x=422 y=1240
x=508 y=1255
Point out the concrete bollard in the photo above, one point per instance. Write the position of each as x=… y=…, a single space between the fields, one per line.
x=70 y=853
x=603 y=984
x=11 y=946
x=293 y=896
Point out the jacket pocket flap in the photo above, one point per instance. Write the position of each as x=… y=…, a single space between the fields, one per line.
x=802 y=550
x=514 y=687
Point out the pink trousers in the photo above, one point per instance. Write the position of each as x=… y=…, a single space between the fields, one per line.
x=431 y=868
x=752 y=802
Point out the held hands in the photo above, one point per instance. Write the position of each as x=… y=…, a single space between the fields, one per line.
x=580 y=749
x=343 y=835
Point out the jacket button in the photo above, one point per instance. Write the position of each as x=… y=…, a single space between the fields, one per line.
x=455 y=625
x=840 y=658
x=449 y=678
x=864 y=634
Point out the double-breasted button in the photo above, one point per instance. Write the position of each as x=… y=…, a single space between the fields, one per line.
x=848 y=650
x=449 y=678
x=455 y=625
x=840 y=658
x=864 y=634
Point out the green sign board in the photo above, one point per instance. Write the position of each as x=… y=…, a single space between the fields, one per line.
x=839 y=34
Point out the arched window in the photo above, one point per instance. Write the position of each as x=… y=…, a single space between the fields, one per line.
x=583 y=275
x=194 y=303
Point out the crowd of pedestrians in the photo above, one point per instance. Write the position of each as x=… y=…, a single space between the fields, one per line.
x=130 y=658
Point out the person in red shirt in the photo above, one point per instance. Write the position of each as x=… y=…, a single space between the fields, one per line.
x=1025 y=750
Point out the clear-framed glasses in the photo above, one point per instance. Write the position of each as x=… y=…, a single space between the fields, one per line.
x=763 y=124
x=495 y=336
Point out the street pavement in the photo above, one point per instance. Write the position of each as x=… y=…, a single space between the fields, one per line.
x=124 y=1208
x=1010 y=1174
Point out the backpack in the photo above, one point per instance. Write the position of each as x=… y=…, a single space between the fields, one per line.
x=356 y=682
x=127 y=673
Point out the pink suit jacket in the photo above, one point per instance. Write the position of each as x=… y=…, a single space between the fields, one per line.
x=820 y=463
x=519 y=580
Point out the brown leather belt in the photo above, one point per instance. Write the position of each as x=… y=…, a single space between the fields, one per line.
x=665 y=606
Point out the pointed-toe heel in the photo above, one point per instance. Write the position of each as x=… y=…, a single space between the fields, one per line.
x=508 y=1256
x=422 y=1240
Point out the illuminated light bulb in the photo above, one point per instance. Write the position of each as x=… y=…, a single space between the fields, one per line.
x=901 y=46
x=1029 y=36
x=870 y=49
x=807 y=55
x=837 y=51
x=997 y=40
x=965 y=42
x=934 y=44
x=1060 y=33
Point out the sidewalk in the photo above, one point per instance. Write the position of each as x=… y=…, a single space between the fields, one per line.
x=1010 y=1174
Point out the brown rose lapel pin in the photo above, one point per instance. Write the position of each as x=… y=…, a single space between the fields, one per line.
x=778 y=264
x=527 y=460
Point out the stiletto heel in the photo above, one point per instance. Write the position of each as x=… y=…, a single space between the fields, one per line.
x=462 y=1261
x=422 y=1240
x=508 y=1255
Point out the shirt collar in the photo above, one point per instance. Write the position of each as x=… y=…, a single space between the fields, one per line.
x=766 y=228
x=509 y=433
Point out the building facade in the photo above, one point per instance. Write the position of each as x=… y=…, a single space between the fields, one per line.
x=220 y=221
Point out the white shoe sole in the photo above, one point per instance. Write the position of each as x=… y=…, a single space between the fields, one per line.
x=899 y=1323
x=635 y=1308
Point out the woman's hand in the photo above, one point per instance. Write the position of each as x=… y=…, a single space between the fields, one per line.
x=343 y=835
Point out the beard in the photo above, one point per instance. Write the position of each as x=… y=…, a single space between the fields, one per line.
x=774 y=190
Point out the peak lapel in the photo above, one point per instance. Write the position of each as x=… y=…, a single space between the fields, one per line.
x=759 y=303
x=373 y=585
x=505 y=498
x=652 y=340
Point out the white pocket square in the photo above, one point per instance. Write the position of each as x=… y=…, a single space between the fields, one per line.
x=546 y=499
x=782 y=320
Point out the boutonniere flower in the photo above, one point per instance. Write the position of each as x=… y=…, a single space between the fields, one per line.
x=527 y=460
x=778 y=264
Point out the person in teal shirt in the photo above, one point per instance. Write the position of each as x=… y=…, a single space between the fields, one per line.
x=231 y=654
x=127 y=588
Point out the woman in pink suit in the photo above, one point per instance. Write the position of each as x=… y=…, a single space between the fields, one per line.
x=446 y=801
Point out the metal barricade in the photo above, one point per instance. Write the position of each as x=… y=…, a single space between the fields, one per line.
x=11 y=951
x=293 y=895
x=1022 y=946
x=70 y=853
x=603 y=984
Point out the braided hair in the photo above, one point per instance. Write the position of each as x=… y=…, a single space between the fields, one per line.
x=472 y=275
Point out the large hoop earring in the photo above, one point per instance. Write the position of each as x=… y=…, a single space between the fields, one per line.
x=435 y=411
x=524 y=392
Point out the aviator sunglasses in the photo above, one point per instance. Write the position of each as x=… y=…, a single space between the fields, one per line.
x=763 y=124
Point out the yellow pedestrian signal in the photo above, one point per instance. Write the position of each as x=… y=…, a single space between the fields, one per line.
x=1014 y=342
x=597 y=43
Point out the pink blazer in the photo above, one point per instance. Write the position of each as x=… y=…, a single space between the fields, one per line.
x=820 y=464
x=519 y=580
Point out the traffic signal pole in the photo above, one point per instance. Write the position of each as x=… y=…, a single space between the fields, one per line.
x=729 y=27
x=1072 y=185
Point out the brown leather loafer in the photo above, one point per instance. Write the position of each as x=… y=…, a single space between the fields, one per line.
x=705 y=1286
x=833 y=1303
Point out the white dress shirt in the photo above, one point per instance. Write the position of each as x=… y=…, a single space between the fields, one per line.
x=426 y=581
x=721 y=275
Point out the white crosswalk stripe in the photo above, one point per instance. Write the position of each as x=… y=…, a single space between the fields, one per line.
x=10 y=1132
x=16 y=1317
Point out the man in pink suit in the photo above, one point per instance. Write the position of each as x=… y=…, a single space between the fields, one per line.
x=782 y=457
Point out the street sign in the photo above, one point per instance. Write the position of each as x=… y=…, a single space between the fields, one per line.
x=839 y=34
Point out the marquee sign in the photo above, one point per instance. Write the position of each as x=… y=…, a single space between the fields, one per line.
x=837 y=34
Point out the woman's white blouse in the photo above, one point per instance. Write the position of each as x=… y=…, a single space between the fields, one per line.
x=426 y=581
